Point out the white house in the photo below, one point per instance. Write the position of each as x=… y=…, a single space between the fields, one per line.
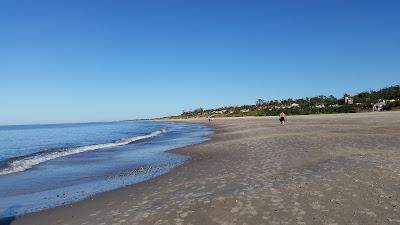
x=218 y=112
x=348 y=101
x=378 y=106
x=294 y=105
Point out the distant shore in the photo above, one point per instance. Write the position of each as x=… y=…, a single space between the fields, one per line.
x=326 y=169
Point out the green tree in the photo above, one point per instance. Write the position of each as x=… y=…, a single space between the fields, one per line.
x=260 y=102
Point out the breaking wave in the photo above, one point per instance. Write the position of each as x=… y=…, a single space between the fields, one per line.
x=24 y=163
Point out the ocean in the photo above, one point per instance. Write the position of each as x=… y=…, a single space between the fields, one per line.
x=43 y=166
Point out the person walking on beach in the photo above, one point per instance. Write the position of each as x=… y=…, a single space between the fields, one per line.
x=282 y=118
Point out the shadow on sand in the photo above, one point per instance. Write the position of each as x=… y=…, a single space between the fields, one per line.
x=5 y=219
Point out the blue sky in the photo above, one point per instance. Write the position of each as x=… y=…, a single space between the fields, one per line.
x=72 y=61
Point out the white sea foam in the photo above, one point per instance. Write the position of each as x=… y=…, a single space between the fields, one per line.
x=23 y=164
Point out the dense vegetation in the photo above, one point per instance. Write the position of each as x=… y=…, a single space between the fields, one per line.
x=389 y=99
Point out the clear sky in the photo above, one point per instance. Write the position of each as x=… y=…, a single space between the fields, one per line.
x=77 y=60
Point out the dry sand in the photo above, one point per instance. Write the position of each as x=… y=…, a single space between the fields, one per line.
x=327 y=169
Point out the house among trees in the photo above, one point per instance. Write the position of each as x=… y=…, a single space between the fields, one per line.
x=347 y=100
x=295 y=106
x=218 y=112
x=378 y=106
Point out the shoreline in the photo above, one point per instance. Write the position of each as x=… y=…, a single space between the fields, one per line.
x=206 y=134
x=12 y=220
x=216 y=184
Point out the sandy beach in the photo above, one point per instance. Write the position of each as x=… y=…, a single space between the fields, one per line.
x=319 y=169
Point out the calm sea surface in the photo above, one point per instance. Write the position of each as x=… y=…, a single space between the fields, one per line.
x=42 y=166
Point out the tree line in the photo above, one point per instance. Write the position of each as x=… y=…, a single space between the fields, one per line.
x=363 y=101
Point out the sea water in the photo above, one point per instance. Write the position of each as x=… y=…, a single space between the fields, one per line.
x=43 y=166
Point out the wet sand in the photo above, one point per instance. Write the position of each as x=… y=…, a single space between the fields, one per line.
x=325 y=169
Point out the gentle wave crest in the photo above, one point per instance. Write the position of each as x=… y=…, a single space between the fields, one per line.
x=28 y=162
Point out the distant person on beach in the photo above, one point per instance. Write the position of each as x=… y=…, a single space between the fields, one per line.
x=209 y=119
x=282 y=118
